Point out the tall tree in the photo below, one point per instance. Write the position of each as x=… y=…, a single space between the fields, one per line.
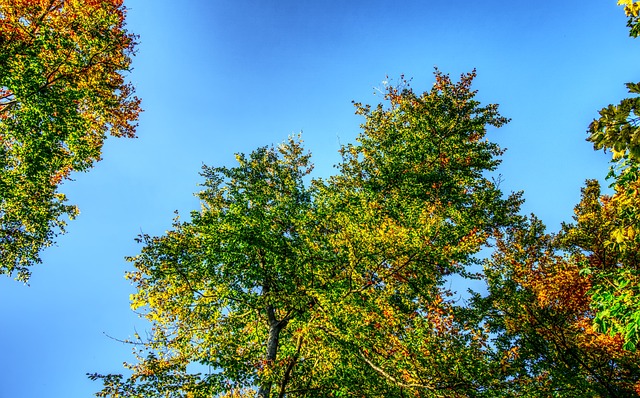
x=233 y=289
x=335 y=290
x=551 y=297
x=411 y=207
x=62 y=89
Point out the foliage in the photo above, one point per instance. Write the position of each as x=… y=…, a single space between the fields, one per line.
x=539 y=307
x=337 y=289
x=617 y=128
x=340 y=288
x=614 y=219
x=61 y=91
x=563 y=309
x=632 y=9
x=232 y=290
x=410 y=208
x=605 y=233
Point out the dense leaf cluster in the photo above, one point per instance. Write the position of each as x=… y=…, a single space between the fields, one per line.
x=338 y=288
x=61 y=91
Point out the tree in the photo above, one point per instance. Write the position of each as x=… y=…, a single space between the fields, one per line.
x=411 y=207
x=539 y=309
x=615 y=289
x=338 y=289
x=564 y=308
x=62 y=90
x=233 y=289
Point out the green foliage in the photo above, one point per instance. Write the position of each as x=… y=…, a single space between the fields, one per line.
x=615 y=219
x=616 y=307
x=410 y=208
x=233 y=290
x=605 y=232
x=617 y=128
x=61 y=91
x=337 y=289
x=340 y=288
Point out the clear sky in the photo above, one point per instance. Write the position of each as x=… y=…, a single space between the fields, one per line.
x=219 y=77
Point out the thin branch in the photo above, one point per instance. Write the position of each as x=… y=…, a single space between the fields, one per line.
x=391 y=378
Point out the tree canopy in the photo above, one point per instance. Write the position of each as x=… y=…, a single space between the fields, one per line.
x=285 y=285
x=337 y=288
x=62 y=90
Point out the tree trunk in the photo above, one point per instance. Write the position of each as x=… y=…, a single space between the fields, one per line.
x=275 y=327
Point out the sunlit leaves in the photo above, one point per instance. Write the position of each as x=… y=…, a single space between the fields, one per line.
x=540 y=305
x=340 y=288
x=238 y=278
x=62 y=89
x=617 y=128
x=615 y=219
x=632 y=10
x=410 y=208
x=605 y=232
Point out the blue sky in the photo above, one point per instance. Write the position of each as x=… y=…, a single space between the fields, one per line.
x=219 y=77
